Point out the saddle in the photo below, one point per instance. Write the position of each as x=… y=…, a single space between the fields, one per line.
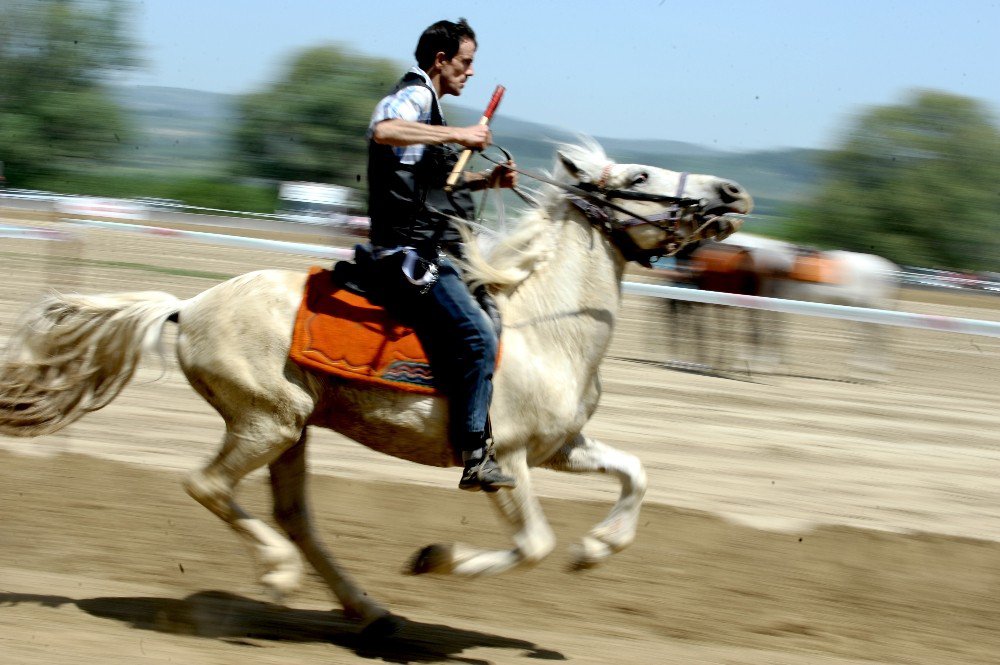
x=720 y=259
x=341 y=329
x=816 y=267
x=725 y=268
x=341 y=332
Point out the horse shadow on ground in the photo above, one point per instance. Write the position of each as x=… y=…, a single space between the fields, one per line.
x=238 y=620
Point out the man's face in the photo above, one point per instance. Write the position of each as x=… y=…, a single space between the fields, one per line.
x=456 y=71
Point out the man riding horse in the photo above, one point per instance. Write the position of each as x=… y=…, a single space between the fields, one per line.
x=414 y=240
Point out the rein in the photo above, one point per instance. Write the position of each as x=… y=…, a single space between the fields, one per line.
x=595 y=203
x=596 y=194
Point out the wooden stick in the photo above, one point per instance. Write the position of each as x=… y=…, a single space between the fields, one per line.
x=463 y=159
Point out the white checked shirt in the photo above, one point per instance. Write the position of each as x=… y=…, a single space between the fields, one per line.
x=413 y=103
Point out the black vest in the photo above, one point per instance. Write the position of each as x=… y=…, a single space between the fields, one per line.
x=407 y=203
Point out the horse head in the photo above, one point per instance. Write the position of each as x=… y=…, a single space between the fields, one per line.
x=648 y=211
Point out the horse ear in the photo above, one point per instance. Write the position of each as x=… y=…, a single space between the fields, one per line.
x=572 y=168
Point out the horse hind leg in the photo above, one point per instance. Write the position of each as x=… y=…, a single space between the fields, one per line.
x=520 y=509
x=617 y=531
x=214 y=487
x=291 y=512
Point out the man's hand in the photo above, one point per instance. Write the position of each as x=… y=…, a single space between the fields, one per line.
x=500 y=176
x=504 y=176
x=477 y=137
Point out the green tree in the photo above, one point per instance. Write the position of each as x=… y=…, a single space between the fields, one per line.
x=310 y=125
x=55 y=56
x=915 y=182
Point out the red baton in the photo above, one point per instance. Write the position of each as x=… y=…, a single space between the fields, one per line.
x=494 y=103
x=485 y=120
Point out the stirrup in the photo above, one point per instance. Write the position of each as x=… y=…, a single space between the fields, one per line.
x=485 y=475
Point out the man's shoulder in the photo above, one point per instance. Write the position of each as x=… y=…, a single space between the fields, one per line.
x=415 y=86
x=417 y=93
x=410 y=103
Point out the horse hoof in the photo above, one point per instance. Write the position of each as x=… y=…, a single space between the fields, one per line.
x=279 y=584
x=588 y=553
x=431 y=559
x=384 y=626
x=579 y=565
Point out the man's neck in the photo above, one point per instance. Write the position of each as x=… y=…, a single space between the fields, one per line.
x=436 y=83
x=433 y=77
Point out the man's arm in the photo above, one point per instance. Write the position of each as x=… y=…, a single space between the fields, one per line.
x=398 y=132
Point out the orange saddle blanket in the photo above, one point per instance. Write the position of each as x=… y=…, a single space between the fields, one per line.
x=339 y=332
x=817 y=268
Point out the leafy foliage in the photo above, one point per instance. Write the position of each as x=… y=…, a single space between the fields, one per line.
x=311 y=124
x=55 y=56
x=915 y=182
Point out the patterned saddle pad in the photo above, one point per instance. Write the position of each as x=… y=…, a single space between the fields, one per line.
x=339 y=332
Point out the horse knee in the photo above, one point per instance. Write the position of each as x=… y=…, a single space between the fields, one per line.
x=210 y=491
x=634 y=479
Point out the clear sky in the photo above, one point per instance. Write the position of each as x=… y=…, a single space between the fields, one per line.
x=732 y=75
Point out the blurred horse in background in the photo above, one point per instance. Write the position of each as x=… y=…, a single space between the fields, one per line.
x=718 y=336
x=756 y=340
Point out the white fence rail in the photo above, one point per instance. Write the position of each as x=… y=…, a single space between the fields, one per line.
x=33 y=233
x=861 y=314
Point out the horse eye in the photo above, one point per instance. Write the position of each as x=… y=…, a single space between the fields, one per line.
x=639 y=179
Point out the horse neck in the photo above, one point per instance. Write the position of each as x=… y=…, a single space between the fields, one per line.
x=570 y=304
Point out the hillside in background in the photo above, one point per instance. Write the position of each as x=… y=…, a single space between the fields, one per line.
x=182 y=130
x=177 y=129
x=775 y=178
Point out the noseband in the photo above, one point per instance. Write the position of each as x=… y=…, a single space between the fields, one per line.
x=597 y=206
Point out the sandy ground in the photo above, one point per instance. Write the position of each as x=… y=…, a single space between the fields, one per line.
x=792 y=517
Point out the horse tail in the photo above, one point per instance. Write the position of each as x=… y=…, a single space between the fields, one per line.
x=72 y=354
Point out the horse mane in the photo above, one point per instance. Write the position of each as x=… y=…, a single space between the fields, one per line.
x=503 y=259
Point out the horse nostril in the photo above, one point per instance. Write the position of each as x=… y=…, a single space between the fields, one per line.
x=730 y=191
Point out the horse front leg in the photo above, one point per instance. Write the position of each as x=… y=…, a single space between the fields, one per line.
x=291 y=512
x=584 y=454
x=871 y=360
x=519 y=507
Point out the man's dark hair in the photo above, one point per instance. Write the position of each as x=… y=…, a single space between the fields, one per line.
x=443 y=36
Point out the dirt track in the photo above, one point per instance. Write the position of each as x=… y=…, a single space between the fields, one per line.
x=791 y=518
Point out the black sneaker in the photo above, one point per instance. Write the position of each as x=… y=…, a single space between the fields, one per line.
x=484 y=475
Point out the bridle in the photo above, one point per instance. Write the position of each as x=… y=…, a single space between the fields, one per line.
x=597 y=204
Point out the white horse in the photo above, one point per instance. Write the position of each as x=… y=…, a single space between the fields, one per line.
x=557 y=279
x=861 y=280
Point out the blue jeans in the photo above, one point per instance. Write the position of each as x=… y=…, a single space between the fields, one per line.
x=461 y=345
